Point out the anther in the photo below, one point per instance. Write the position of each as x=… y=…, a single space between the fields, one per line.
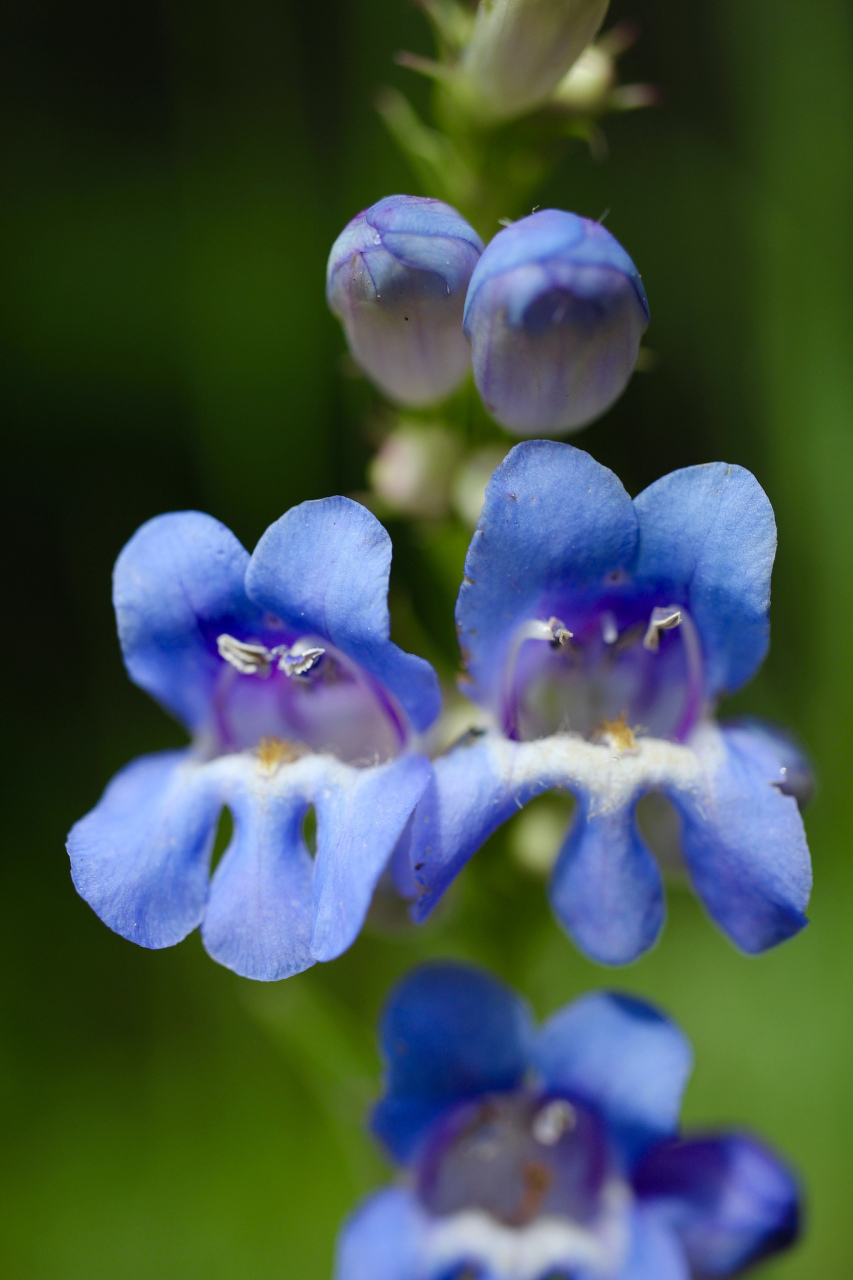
x=257 y=660
x=248 y=659
x=560 y=633
x=555 y=1119
x=297 y=662
x=662 y=619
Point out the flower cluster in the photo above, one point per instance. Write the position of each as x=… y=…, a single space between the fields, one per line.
x=553 y=309
x=533 y=1154
x=598 y=634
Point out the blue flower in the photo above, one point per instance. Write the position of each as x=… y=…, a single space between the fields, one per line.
x=281 y=669
x=555 y=312
x=535 y=1154
x=598 y=633
x=396 y=278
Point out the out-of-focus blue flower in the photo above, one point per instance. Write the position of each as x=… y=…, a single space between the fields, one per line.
x=555 y=312
x=281 y=668
x=519 y=50
x=396 y=278
x=599 y=633
x=532 y=1154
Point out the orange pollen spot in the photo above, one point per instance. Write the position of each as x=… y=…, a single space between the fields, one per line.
x=275 y=751
x=536 y=1182
x=618 y=733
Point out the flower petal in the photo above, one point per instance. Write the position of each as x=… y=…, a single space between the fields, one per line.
x=382 y=1239
x=484 y=780
x=261 y=909
x=709 y=532
x=554 y=520
x=730 y=1200
x=472 y=791
x=273 y=910
x=141 y=857
x=449 y=1032
x=796 y=773
x=655 y=1252
x=606 y=889
x=177 y=585
x=323 y=568
x=361 y=814
x=622 y=1056
x=744 y=841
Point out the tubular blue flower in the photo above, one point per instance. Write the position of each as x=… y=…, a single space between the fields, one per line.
x=554 y=313
x=598 y=633
x=533 y=1154
x=396 y=279
x=280 y=667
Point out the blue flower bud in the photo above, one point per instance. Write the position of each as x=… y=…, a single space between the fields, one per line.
x=396 y=278
x=555 y=312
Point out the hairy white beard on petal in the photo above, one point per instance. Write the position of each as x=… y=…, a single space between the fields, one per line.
x=547 y=1244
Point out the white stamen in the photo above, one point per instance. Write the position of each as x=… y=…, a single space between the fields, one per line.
x=296 y=661
x=662 y=619
x=257 y=659
x=559 y=632
x=248 y=659
x=554 y=631
x=609 y=630
x=533 y=629
x=553 y=1121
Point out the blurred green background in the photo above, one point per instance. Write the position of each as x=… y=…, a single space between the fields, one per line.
x=175 y=175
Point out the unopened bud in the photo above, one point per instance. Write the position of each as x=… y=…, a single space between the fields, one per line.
x=470 y=481
x=587 y=86
x=555 y=312
x=413 y=469
x=396 y=278
x=521 y=49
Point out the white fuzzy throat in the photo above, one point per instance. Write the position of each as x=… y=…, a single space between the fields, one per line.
x=547 y=1244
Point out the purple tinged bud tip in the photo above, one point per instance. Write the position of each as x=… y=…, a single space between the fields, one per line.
x=396 y=279
x=555 y=312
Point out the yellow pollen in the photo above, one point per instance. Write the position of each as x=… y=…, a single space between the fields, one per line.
x=275 y=751
x=618 y=732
